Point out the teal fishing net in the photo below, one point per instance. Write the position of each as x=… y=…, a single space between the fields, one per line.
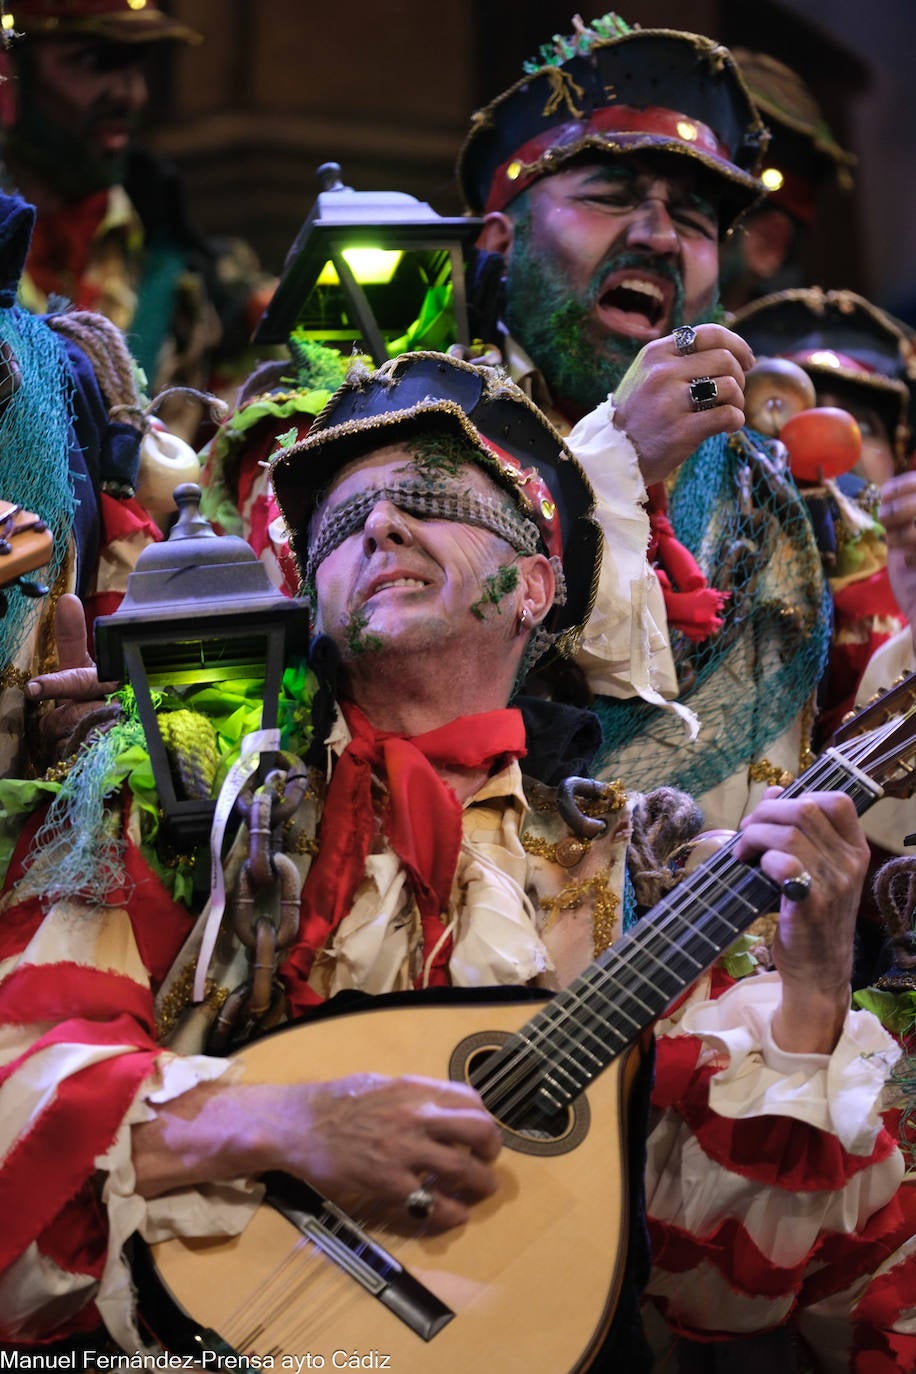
x=34 y=454
x=78 y=850
x=739 y=512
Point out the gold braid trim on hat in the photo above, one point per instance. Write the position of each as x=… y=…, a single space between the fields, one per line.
x=718 y=58
x=561 y=93
x=553 y=158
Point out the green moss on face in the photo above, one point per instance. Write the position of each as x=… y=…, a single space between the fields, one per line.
x=495 y=588
x=358 y=639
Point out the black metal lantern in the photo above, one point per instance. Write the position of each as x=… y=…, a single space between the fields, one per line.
x=376 y=269
x=199 y=610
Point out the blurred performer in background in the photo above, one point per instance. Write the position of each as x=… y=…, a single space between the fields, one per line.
x=113 y=233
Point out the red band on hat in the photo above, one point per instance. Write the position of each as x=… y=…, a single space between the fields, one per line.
x=621 y=119
x=536 y=493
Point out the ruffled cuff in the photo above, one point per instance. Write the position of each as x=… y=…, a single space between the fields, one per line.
x=839 y=1093
x=625 y=650
x=216 y=1209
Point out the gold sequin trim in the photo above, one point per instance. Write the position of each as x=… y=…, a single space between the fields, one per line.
x=541 y=848
x=605 y=906
x=613 y=797
x=57 y=772
x=13 y=677
x=180 y=997
x=303 y=844
x=764 y=771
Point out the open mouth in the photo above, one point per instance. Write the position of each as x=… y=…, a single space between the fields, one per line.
x=635 y=304
x=404 y=583
x=112 y=136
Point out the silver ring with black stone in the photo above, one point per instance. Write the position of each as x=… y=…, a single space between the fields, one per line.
x=704 y=394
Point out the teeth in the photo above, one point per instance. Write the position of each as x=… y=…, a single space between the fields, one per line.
x=400 y=582
x=648 y=288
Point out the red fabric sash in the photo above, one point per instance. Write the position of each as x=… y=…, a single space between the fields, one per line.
x=693 y=606
x=421 y=820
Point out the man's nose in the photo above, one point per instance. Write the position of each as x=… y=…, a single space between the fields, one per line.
x=385 y=527
x=651 y=226
x=129 y=86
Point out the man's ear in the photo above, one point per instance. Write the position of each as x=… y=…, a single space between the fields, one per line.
x=538 y=586
x=497 y=234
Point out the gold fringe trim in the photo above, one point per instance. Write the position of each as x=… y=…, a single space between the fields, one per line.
x=180 y=997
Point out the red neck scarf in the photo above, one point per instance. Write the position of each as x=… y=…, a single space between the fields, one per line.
x=421 y=820
x=61 y=247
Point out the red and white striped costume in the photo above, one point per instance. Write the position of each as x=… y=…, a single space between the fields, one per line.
x=758 y=1175
x=78 y=1059
x=773 y=1181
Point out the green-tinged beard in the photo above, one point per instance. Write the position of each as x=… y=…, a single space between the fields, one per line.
x=580 y=362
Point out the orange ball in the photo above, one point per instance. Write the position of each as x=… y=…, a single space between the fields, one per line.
x=822 y=442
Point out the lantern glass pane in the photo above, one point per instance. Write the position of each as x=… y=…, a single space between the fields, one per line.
x=411 y=300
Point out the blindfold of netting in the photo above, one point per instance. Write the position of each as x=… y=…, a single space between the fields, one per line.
x=418 y=499
x=745 y=522
x=35 y=455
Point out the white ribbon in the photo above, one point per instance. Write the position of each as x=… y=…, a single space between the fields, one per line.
x=253 y=746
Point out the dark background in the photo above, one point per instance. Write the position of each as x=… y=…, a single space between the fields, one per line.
x=386 y=89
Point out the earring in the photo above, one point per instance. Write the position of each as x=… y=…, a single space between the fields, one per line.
x=524 y=621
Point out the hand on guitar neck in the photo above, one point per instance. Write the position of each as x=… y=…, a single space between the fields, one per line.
x=819 y=835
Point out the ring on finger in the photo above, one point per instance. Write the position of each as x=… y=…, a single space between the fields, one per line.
x=704 y=393
x=797 y=888
x=685 y=339
x=420 y=1202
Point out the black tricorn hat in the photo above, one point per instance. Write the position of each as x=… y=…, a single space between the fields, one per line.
x=656 y=90
x=510 y=438
x=845 y=344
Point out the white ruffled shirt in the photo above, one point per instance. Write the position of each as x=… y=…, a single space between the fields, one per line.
x=624 y=650
x=890 y=820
